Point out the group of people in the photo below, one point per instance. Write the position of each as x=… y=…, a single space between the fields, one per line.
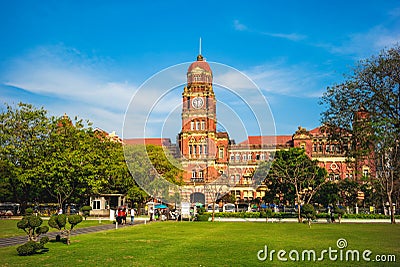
x=158 y=214
x=122 y=213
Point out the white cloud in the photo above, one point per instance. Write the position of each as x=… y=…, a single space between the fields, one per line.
x=365 y=44
x=62 y=74
x=83 y=84
x=288 y=36
x=300 y=80
x=239 y=26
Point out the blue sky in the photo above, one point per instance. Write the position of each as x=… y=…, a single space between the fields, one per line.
x=88 y=58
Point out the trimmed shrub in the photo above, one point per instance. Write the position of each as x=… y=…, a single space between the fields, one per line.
x=74 y=220
x=86 y=211
x=29 y=211
x=44 y=240
x=203 y=217
x=27 y=249
x=60 y=222
x=308 y=212
x=32 y=247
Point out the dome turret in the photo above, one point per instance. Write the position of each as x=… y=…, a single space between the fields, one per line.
x=199 y=71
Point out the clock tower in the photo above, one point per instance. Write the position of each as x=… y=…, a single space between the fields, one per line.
x=203 y=150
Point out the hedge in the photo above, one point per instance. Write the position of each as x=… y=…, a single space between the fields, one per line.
x=285 y=215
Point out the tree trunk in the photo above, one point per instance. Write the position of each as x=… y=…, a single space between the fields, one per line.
x=391 y=208
x=299 y=219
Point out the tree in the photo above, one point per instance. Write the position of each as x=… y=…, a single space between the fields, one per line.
x=328 y=194
x=32 y=226
x=24 y=130
x=348 y=192
x=216 y=190
x=74 y=158
x=154 y=170
x=294 y=167
x=60 y=221
x=373 y=90
x=308 y=212
x=86 y=211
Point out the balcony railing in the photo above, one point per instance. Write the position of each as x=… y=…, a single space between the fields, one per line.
x=197 y=180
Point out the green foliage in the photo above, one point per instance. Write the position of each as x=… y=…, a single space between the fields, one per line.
x=28 y=211
x=42 y=230
x=268 y=213
x=339 y=211
x=32 y=247
x=203 y=217
x=154 y=170
x=60 y=221
x=28 y=248
x=44 y=240
x=74 y=220
x=32 y=226
x=34 y=221
x=86 y=211
x=86 y=208
x=29 y=222
x=366 y=108
x=201 y=210
x=23 y=223
x=55 y=159
x=294 y=173
x=23 y=134
x=308 y=211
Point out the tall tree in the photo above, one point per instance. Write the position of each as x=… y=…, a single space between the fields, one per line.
x=294 y=167
x=74 y=158
x=373 y=87
x=23 y=135
x=154 y=170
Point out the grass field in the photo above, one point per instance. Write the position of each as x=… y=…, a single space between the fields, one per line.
x=214 y=244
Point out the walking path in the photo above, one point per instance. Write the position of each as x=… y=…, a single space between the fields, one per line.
x=19 y=240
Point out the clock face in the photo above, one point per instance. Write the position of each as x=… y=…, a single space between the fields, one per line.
x=197 y=102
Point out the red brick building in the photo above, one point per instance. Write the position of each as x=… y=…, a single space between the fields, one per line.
x=206 y=154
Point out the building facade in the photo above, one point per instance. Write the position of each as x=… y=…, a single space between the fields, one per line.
x=207 y=155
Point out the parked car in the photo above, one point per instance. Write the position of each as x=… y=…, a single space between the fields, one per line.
x=242 y=207
x=210 y=208
x=229 y=207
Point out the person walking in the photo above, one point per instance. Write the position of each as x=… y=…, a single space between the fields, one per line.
x=132 y=215
x=151 y=213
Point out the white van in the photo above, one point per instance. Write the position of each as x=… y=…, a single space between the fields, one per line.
x=210 y=208
x=229 y=207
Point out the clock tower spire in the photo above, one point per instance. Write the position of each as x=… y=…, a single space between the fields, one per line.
x=197 y=139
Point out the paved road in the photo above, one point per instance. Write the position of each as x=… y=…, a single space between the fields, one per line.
x=18 y=240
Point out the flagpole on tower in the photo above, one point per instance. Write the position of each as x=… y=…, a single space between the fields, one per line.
x=200 y=47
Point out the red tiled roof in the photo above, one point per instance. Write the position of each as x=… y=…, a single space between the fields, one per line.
x=315 y=130
x=148 y=141
x=279 y=140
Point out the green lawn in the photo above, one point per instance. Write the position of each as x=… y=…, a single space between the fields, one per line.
x=9 y=227
x=212 y=244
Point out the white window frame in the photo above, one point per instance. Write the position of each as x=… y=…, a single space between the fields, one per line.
x=96 y=205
